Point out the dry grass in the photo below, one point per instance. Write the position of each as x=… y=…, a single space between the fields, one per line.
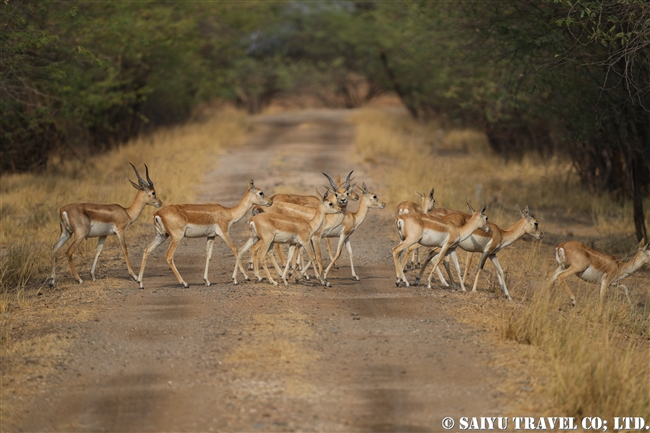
x=428 y=156
x=594 y=363
x=34 y=319
x=177 y=159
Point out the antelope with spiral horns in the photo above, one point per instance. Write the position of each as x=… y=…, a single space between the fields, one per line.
x=88 y=220
x=269 y=228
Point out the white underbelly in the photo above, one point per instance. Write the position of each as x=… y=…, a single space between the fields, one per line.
x=591 y=275
x=335 y=232
x=200 y=231
x=98 y=229
x=433 y=239
x=285 y=238
x=475 y=244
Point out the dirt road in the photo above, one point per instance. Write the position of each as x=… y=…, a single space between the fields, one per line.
x=359 y=356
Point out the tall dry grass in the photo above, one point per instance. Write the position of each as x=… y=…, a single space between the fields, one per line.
x=597 y=361
x=459 y=164
x=177 y=159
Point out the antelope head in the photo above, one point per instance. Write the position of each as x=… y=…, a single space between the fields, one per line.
x=146 y=186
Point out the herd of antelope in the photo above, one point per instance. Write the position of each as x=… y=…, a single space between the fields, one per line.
x=301 y=221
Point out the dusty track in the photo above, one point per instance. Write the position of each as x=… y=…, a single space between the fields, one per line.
x=359 y=356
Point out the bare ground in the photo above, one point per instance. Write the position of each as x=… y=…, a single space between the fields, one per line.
x=359 y=356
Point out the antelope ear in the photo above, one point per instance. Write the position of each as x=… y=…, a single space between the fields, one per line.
x=135 y=185
x=642 y=244
x=484 y=208
x=431 y=193
x=251 y=184
x=524 y=213
x=364 y=188
x=419 y=195
x=471 y=209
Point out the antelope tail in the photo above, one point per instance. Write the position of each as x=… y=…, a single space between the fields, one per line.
x=560 y=257
x=400 y=228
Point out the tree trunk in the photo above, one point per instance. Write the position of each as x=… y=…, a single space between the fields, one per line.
x=637 y=200
x=396 y=86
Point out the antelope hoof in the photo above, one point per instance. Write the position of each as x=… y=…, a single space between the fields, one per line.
x=207 y=283
x=355 y=277
x=185 y=285
x=250 y=267
x=416 y=281
x=50 y=282
x=234 y=281
x=80 y=281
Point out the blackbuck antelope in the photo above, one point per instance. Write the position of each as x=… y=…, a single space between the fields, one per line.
x=208 y=220
x=343 y=193
x=280 y=208
x=490 y=243
x=433 y=232
x=342 y=190
x=88 y=220
x=595 y=267
x=427 y=203
x=351 y=221
x=273 y=228
x=312 y=200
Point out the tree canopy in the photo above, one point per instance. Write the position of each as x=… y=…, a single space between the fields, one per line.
x=553 y=76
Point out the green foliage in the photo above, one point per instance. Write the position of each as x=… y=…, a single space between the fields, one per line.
x=82 y=77
x=542 y=77
x=550 y=76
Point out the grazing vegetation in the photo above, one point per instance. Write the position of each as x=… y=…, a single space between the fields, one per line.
x=595 y=362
